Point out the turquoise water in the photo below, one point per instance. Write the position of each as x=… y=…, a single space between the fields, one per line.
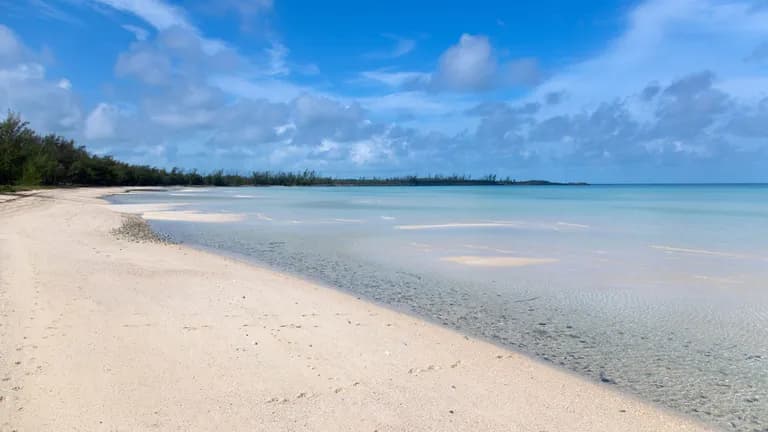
x=659 y=290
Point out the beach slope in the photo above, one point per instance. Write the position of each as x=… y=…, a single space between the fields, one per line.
x=101 y=333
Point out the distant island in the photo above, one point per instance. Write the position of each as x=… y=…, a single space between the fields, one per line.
x=28 y=159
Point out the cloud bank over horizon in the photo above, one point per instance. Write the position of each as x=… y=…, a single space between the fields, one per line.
x=677 y=91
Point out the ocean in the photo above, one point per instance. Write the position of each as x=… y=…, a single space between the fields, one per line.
x=659 y=290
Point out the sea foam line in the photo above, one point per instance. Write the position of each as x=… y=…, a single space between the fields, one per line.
x=696 y=251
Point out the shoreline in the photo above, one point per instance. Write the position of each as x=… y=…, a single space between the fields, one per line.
x=167 y=336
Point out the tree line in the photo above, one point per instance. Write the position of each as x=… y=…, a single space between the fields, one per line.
x=30 y=159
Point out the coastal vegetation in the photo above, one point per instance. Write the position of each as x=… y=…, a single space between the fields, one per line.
x=28 y=159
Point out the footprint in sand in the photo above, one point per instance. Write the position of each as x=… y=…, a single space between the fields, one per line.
x=301 y=395
x=416 y=371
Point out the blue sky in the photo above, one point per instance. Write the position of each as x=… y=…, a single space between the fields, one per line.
x=601 y=91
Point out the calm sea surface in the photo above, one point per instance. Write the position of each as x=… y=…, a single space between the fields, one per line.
x=659 y=290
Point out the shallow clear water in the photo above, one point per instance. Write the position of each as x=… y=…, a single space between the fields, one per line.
x=659 y=290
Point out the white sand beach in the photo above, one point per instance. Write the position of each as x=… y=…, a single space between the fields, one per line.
x=100 y=333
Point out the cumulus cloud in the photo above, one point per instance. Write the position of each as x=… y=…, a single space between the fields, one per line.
x=168 y=19
x=318 y=118
x=175 y=55
x=689 y=107
x=690 y=120
x=211 y=107
x=683 y=107
x=236 y=120
x=658 y=45
x=145 y=63
x=471 y=65
x=25 y=88
x=101 y=122
x=468 y=65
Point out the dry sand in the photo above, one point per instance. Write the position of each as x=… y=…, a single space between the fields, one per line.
x=104 y=334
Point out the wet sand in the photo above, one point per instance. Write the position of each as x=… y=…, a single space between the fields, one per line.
x=106 y=330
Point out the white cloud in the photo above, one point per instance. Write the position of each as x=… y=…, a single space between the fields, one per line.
x=157 y=13
x=312 y=109
x=414 y=103
x=472 y=65
x=277 y=56
x=177 y=56
x=308 y=69
x=269 y=89
x=10 y=47
x=397 y=79
x=44 y=7
x=166 y=18
x=672 y=101
x=140 y=33
x=284 y=128
x=468 y=65
x=664 y=41
x=524 y=71
x=48 y=104
x=101 y=122
x=64 y=84
x=146 y=63
x=22 y=72
x=246 y=8
x=401 y=47
x=374 y=149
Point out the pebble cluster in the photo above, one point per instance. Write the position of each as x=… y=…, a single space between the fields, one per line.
x=134 y=228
